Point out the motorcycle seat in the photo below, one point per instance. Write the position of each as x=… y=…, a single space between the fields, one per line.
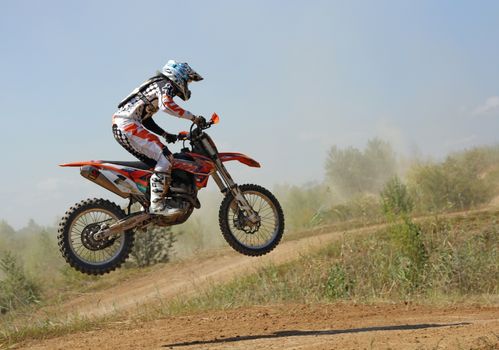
x=136 y=164
x=144 y=166
x=182 y=156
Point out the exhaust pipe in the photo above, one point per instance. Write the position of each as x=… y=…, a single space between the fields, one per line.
x=93 y=174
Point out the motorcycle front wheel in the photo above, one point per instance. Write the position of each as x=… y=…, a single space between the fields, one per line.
x=245 y=237
x=77 y=241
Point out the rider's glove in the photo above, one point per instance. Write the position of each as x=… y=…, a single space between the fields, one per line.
x=199 y=121
x=170 y=138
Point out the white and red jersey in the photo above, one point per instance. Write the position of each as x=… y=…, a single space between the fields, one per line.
x=134 y=128
x=159 y=95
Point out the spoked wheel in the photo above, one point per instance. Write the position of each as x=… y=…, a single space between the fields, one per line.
x=250 y=238
x=78 y=240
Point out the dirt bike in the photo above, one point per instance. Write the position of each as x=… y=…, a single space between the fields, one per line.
x=96 y=236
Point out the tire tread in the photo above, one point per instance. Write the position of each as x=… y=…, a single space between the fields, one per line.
x=63 y=237
x=225 y=228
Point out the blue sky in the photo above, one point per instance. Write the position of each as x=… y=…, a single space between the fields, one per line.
x=288 y=79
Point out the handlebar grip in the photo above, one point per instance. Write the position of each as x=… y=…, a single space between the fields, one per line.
x=183 y=135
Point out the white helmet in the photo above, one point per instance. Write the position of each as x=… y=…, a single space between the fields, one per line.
x=181 y=74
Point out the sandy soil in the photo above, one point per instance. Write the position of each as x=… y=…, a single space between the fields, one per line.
x=337 y=326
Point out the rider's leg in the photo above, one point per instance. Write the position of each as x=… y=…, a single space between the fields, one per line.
x=160 y=183
x=123 y=139
x=148 y=148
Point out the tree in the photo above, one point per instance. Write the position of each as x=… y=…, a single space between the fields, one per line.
x=6 y=229
x=352 y=172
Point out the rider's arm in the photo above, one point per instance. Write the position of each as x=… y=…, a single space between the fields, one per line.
x=151 y=125
x=169 y=106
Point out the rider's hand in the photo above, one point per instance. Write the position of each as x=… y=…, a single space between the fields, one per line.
x=170 y=138
x=199 y=121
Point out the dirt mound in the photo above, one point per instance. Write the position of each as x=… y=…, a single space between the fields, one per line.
x=186 y=277
x=336 y=326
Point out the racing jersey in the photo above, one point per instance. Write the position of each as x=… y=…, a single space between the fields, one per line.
x=158 y=95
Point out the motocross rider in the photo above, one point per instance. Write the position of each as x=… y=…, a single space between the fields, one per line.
x=134 y=128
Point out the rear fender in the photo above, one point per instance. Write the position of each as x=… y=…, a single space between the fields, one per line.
x=119 y=180
x=226 y=157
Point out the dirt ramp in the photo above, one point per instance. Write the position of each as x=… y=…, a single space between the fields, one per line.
x=186 y=277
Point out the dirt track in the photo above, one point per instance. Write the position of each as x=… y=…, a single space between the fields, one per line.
x=186 y=277
x=339 y=326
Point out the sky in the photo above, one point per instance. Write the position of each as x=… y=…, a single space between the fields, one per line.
x=289 y=79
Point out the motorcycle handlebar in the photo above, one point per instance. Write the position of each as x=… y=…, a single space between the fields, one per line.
x=194 y=130
x=197 y=129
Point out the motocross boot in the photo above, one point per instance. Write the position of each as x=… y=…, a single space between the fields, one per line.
x=160 y=183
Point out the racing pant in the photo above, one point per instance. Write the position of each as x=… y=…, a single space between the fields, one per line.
x=142 y=144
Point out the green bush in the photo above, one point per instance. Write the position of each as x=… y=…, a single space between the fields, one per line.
x=16 y=289
x=460 y=182
x=464 y=258
x=153 y=246
x=410 y=251
x=338 y=284
x=395 y=198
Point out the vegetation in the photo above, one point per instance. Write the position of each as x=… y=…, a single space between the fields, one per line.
x=304 y=205
x=460 y=182
x=395 y=198
x=351 y=171
x=153 y=247
x=407 y=261
x=16 y=289
x=362 y=186
x=37 y=274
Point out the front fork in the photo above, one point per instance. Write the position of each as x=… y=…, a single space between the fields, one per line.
x=225 y=183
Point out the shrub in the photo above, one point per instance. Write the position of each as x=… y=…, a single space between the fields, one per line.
x=457 y=183
x=338 y=284
x=464 y=258
x=153 y=246
x=411 y=254
x=16 y=289
x=395 y=198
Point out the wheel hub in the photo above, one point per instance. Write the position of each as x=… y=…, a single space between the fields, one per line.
x=243 y=223
x=89 y=238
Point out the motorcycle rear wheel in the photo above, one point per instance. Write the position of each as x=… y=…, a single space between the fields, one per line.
x=257 y=240
x=77 y=244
